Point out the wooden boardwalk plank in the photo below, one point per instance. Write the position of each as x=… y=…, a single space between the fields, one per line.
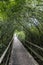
x=19 y=55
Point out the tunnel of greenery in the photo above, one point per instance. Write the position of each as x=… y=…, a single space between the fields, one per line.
x=23 y=17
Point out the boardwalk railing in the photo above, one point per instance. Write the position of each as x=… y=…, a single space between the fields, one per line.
x=35 y=50
x=39 y=56
x=4 y=59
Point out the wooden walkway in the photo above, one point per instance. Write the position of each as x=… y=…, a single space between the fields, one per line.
x=19 y=55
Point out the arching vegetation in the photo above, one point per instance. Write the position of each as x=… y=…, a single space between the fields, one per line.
x=21 y=15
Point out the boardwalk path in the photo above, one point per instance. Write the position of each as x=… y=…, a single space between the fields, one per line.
x=19 y=55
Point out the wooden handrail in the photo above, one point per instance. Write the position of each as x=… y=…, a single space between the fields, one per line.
x=39 y=56
x=3 y=55
x=34 y=45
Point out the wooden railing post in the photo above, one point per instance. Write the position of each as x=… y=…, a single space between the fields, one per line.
x=4 y=59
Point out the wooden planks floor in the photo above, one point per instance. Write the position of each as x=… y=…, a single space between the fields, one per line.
x=19 y=55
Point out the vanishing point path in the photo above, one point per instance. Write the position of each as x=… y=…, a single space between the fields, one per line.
x=19 y=55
